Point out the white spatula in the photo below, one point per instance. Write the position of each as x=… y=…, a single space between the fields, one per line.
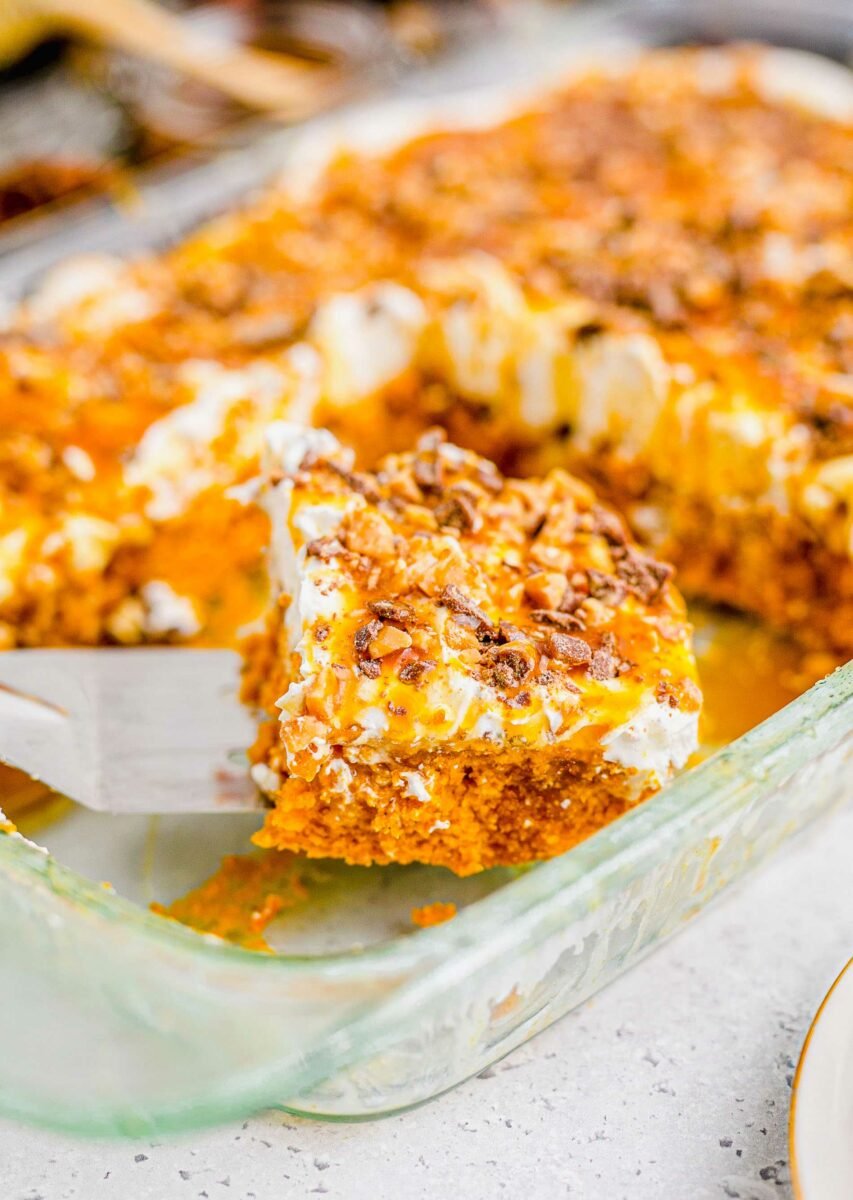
x=149 y=730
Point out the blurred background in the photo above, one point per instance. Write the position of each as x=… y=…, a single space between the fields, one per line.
x=86 y=103
x=104 y=98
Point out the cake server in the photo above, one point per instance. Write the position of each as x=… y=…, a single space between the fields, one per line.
x=144 y=730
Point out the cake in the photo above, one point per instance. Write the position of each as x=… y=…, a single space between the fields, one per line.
x=457 y=668
x=644 y=276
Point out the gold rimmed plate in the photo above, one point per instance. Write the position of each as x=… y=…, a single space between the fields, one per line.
x=821 y=1121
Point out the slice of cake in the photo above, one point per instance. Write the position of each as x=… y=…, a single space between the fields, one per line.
x=463 y=669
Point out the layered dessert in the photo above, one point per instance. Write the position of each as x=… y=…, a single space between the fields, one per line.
x=458 y=668
x=715 y=470
x=644 y=276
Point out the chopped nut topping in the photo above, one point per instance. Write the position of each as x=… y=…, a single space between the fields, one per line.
x=428 y=474
x=510 y=664
x=562 y=620
x=608 y=525
x=669 y=629
x=388 y=640
x=458 y=511
x=567 y=649
x=414 y=671
x=390 y=610
x=455 y=599
x=606 y=588
x=460 y=633
x=545 y=589
x=502 y=676
x=644 y=576
x=595 y=613
x=325 y=548
x=358 y=481
x=603 y=665
x=570 y=600
x=428 y=469
x=507 y=632
x=490 y=478
x=364 y=635
x=430 y=441
x=368 y=534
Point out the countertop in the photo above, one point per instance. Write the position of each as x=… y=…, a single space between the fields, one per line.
x=673 y=1084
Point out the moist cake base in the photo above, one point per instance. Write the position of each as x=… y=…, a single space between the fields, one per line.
x=493 y=808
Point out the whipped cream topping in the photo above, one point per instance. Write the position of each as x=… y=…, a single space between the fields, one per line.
x=166 y=611
x=367 y=338
x=655 y=741
x=177 y=456
x=451 y=701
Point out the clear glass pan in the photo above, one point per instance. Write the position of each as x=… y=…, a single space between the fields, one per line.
x=117 y=1021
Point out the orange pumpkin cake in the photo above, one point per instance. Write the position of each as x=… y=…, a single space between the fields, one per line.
x=644 y=276
x=459 y=668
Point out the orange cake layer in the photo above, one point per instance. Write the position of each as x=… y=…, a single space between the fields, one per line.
x=466 y=669
x=645 y=276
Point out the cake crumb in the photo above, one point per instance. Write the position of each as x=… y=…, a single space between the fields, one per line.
x=433 y=914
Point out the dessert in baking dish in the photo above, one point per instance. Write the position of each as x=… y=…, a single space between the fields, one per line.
x=459 y=668
x=714 y=470
x=645 y=276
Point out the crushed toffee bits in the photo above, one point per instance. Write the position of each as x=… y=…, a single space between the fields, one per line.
x=482 y=733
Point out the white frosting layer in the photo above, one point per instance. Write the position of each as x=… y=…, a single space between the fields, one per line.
x=308 y=581
x=367 y=338
x=89 y=541
x=656 y=740
x=268 y=780
x=79 y=463
x=176 y=458
x=415 y=786
x=624 y=384
x=287 y=443
x=166 y=611
x=96 y=290
x=13 y=547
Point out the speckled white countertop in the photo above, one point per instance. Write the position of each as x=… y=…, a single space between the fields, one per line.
x=672 y=1085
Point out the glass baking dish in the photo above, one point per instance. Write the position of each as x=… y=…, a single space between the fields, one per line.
x=118 y=1021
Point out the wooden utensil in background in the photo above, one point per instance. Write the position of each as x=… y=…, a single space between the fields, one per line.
x=258 y=79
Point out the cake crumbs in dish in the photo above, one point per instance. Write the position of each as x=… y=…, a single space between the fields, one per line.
x=242 y=898
x=433 y=914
